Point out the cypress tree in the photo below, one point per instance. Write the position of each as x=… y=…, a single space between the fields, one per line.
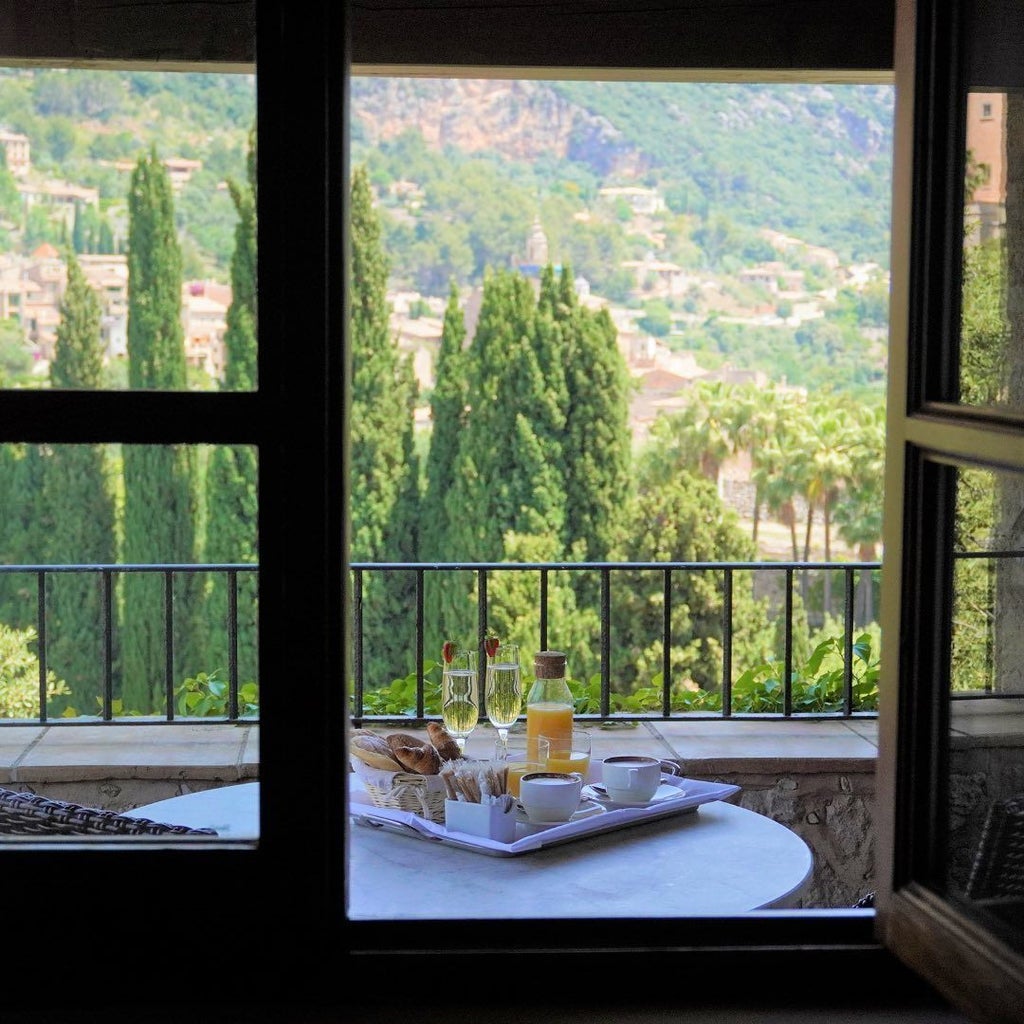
x=448 y=420
x=80 y=502
x=160 y=499
x=24 y=530
x=496 y=487
x=232 y=470
x=596 y=445
x=384 y=471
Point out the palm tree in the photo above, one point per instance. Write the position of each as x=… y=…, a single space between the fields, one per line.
x=858 y=516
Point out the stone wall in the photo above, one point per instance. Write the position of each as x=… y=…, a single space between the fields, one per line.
x=831 y=810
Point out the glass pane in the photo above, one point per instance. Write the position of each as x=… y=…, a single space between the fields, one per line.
x=128 y=620
x=93 y=293
x=987 y=688
x=623 y=326
x=992 y=326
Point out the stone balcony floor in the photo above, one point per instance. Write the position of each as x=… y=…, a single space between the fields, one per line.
x=139 y=763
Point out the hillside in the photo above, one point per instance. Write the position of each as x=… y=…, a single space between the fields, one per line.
x=808 y=160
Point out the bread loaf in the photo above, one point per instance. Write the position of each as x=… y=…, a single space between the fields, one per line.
x=421 y=759
x=373 y=750
x=443 y=741
x=395 y=740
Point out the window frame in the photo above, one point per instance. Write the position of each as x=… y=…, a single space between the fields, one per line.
x=942 y=46
x=302 y=55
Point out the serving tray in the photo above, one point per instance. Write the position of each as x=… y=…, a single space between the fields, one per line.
x=675 y=796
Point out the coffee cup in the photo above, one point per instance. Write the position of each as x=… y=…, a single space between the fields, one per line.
x=631 y=778
x=550 y=796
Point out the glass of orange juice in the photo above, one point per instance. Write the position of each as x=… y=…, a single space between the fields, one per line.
x=515 y=755
x=568 y=752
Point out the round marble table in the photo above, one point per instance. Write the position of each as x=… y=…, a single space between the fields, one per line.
x=717 y=861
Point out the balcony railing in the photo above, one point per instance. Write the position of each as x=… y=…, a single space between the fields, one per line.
x=37 y=579
x=482 y=574
x=844 y=580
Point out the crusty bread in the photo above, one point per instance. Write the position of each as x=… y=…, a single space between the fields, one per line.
x=395 y=740
x=421 y=759
x=443 y=741
x=373 y=750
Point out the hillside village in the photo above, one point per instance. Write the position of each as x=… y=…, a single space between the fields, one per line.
x=662 y=374
x=32 y=285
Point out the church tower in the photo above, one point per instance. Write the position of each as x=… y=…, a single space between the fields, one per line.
x=537 y=245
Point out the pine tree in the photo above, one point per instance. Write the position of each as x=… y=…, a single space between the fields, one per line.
x=160 y=499
x=384 y=471
x=232 y=470
x=80 y=503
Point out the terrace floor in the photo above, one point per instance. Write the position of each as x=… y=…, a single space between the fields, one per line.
x=139 y=756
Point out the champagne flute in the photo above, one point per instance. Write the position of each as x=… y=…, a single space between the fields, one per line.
x=460 y=699
x=503 y=690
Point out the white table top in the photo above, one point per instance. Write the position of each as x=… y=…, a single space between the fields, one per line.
x=234 y=811
x=720 y=860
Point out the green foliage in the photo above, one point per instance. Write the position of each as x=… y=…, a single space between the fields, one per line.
x=10 y=197
x=161 y=494
x=15 y=356
x=19 y=675
x=384 y=470
x=817 y=683
x=232 y=471
x=78 y=495
x=597 y=447
x=207 y=695
x=657 y=319
x=24 y=529
x=399 y=697
x=817 y=688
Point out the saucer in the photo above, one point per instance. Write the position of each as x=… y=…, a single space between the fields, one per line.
x=665 y=791
x=585 y=810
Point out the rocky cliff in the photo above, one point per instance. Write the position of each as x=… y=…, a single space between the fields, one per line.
x=521 y=120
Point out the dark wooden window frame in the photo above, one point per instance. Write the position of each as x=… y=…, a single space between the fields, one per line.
x=279 y=906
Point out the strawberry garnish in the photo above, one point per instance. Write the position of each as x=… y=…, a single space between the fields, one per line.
x=491 y=645
x=448 y=649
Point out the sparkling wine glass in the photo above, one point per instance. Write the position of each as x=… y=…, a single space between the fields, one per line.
x=503 y=690
x=460 y=696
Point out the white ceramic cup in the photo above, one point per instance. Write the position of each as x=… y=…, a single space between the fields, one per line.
x=550 y=796
x=631 y=778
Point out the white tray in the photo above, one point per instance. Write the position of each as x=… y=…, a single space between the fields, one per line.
x=689 y=795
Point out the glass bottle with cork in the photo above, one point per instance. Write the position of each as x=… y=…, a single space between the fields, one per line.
x=549 y=704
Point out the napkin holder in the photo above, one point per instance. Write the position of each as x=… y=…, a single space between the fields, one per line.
x=490 y=821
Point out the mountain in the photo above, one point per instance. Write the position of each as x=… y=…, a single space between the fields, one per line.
x=813 y=161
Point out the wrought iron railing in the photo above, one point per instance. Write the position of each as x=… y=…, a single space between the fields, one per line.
x=38 y=577
x=482 y=573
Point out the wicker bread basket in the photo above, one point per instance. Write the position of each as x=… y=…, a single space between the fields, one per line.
x=424 y=795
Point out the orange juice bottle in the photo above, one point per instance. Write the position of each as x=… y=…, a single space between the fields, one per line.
x=549 y=704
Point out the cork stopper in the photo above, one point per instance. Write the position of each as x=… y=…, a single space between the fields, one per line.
x=549 y=665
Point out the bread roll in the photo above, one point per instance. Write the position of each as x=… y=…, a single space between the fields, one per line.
x=422 y=759
x=443 y=742
x=395 y=740
x=373 y=750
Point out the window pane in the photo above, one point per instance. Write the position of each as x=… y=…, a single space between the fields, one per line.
x=128 y=604
x=993 y=289
x=94 y=165
x=987 y=682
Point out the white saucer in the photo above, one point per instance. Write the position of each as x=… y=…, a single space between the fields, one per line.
x=585 y=810
x=665 y=791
